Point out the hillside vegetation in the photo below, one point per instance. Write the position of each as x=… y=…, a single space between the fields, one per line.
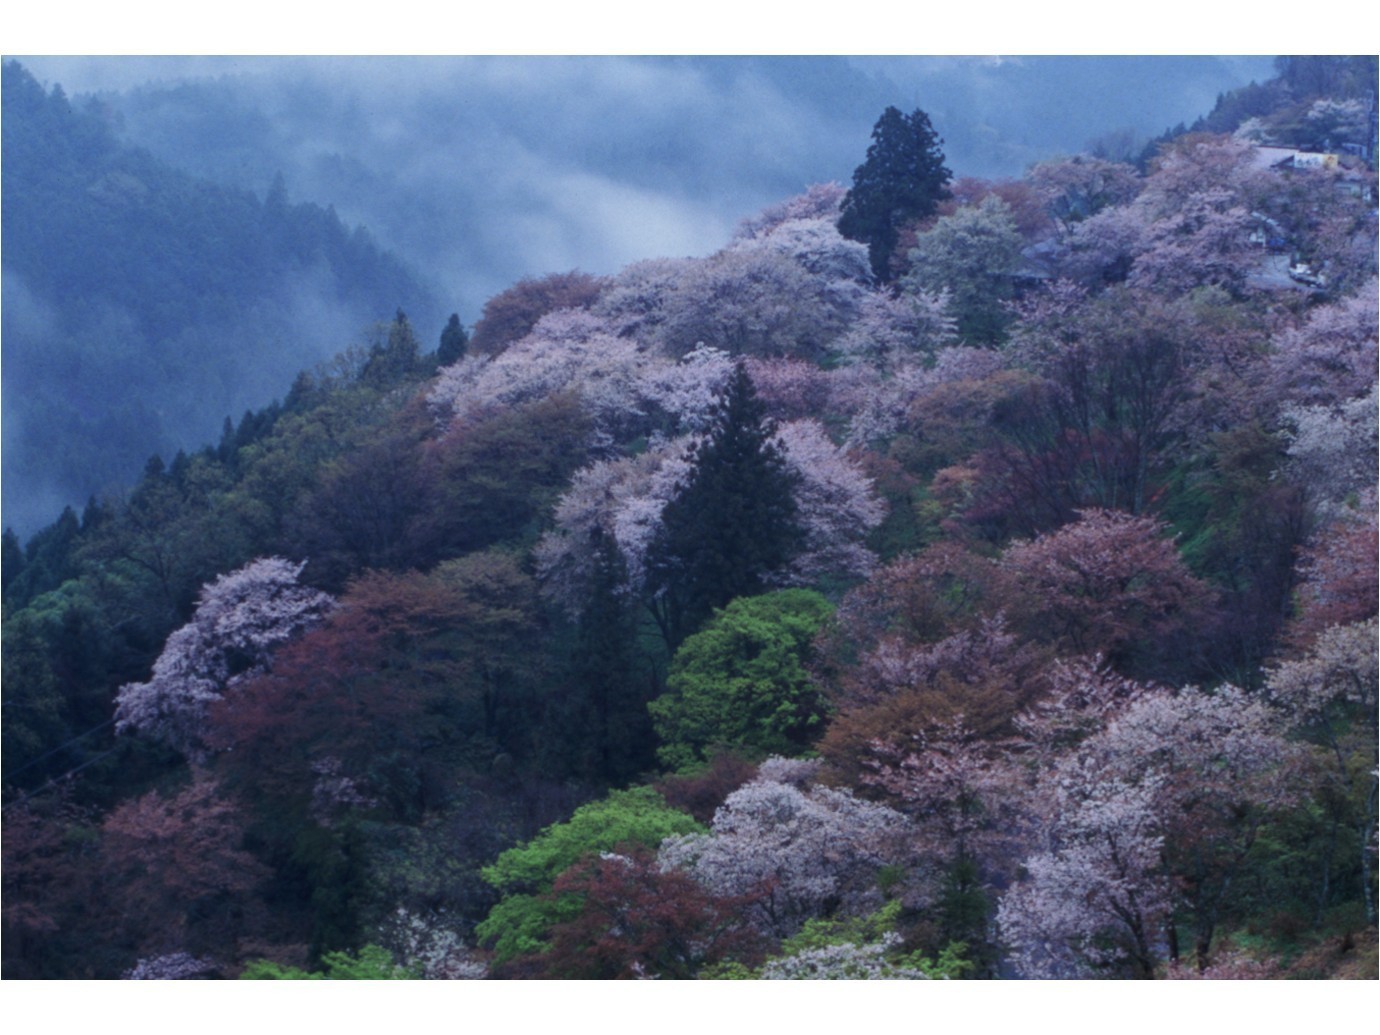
x=134 y=294
x=998 y=601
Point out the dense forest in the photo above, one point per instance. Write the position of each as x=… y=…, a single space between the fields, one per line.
x=135 y=293
x=946 y=579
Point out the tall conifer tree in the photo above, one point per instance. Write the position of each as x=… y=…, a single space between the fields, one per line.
x=903 y=179
x=454 y=341
x=606 y=669
x=734 y=521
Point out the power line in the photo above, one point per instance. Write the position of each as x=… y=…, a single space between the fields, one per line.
x=48 y=754
x=55 y=780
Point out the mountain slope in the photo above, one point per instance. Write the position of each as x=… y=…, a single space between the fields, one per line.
x=142 y=305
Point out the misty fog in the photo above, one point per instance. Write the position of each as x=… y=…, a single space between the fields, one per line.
x=482 y=170
x=476 y=172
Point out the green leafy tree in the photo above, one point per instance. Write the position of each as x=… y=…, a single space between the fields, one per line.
x=371 y=963
x=855 y=948
x=743 y=682
x=903 y=179
x=733 y=524
x=521 y=922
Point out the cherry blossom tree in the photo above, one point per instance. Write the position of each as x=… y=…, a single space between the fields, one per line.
x=800 y=853
x=1331 y=357
x=510 y=315
x=241 y=618
x=1152 y=815
x=1097 y=904
x=634 y=302
x=817 y=245
x=1101 y=249
x=1205 y=241
x=819 y=201
x=1108 y=582
x=568 y=350
x=791 y=389
x=688 y=390
x=879 y=960
x=1189 y=226
x=1331 y=692
x=429 y=944
x=970 y=687
x=918 y=598
x=627 y=499
x=752 y=301
x=969 y=799
x=836 y=503
x=947 y=401
x=891 y=329
x=1221 y=766
x=1337 y=575
x=1332 y=451
x=624 y=499
x=1077 y=188
x=173 y=966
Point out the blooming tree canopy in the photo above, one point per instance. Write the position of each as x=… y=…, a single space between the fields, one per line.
x=241 y=618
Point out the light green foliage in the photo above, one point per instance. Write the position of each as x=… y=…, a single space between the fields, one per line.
x=638 y=815
x=853 y=948
x=371 y=963
x=519 y=923
x=742 y=681
x=855 y=930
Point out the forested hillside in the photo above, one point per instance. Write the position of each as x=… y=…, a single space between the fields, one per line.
x=135 y=294
x=945 y=579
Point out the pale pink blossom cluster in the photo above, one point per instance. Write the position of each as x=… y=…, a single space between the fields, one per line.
x=1333 y=451
x=1331 y=357
x=174 y=966
x=428 y=944
x=799 y=852
x=240 y=619
x=837 y=503
x=570 y=350
x=870 y=961
x=622 y=498
x=625 y=499
x=1152 y=813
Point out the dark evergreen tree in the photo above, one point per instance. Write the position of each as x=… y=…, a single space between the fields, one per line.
x=394 y=357
x=733 y=523
x=903 y=179
x=607 y=674
x=11 y=561
x=49 y=560
x=454 y=341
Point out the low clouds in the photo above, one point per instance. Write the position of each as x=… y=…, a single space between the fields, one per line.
x=480 y=171
x=483 y=170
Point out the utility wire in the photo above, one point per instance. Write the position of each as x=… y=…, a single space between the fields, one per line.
x=55 y=780
x=47 y=754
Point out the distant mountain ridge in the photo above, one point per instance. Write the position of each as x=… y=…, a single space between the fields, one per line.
x=144 y=305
